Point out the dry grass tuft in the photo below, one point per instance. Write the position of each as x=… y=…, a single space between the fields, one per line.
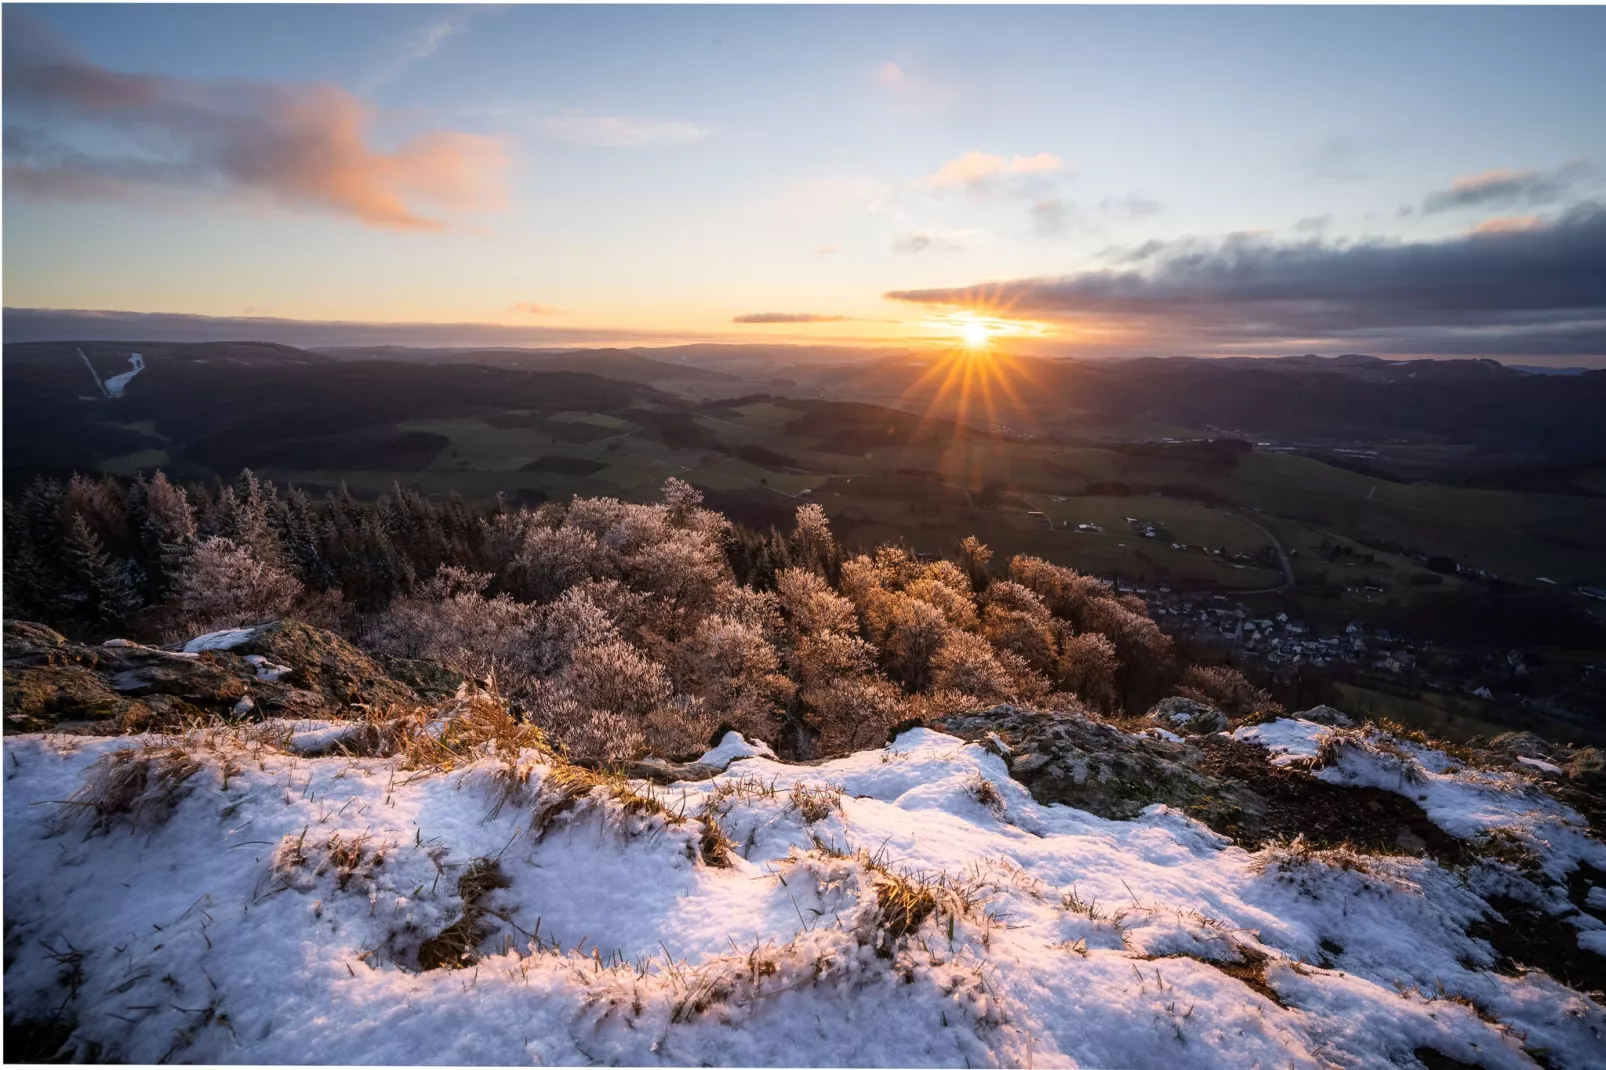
x=297 y=865
x=985 y=792
x=815 y=803
x=904 y=901
x=565 y=785
x=713 y=846
x=1298 y=853
x=139 y=785
x=457 y=945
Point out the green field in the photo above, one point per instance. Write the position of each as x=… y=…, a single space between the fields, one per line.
x=930 y=483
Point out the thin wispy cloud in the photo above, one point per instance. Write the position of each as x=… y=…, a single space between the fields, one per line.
x=622 y=132
x=789 y=317
x=831 y=197
x=891 y=77
x=828 y=249
x=1335 y=159
x=922 y=241
x=909 y=89
x=418 y=45
x=1507 y=224
x=1505 y=189
x=1049 y=216
x=1130 y=208
x=1531 y=286
x=301 y=145
x=530 y=308
x=975 y=168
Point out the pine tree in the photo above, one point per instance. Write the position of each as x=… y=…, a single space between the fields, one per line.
x=98 y=590
x=167 y=533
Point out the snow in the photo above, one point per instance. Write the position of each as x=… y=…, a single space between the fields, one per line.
x=1539 y=764
x=118 y=383
x=1066 y=939
x=1596 y=899
x=1593 y=940
x=227 y=639
x=1289 y=739
x=265 y=669
x=1467 y=803
x=733 y=747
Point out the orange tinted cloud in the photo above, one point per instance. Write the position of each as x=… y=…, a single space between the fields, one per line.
x=974 y=167
x=302 y=145
x=1506 y=224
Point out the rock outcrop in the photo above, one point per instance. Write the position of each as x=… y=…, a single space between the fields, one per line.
x=281 y=669
x=1076 y=759
x=1188 y=716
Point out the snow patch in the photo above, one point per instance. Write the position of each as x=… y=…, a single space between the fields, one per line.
x=265 y=669
x=1289 y=739
x=732 y=747
x=118 y=383
x=227 y=639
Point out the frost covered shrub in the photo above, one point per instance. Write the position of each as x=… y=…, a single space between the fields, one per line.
x=613 y=676
x=966 y=663
x=734 y=670
x=449 y=620
x=224 y=585
x=1228 y=690
x=1086 y=666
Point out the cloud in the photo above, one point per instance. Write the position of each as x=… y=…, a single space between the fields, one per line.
x=418 y=45
x=1502 y=189
x=532 y=309
x=891 y=77
x=828 y=249
x=300 y=145
x=789 y=317
x=1049 y=216
x=623 y=132
x=911 y=90
x=1131 y=207
x=49 y=324
x=1334 y=159
x=1542 y=286
x=974 y=168
x=921 y=241
x=1313 y=224
x=832 y=197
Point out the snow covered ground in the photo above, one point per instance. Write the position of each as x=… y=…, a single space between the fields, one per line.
x=118 y=383
x=905 y=906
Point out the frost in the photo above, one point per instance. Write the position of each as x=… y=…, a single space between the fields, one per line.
x=878 y=909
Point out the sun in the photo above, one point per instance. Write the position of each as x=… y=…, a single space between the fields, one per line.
x=975 y=335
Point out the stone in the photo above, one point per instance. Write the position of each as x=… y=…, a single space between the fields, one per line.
x=1327 y=715
x=1187 y=716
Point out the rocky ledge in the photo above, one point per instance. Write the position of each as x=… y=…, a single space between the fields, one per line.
x=279 y=669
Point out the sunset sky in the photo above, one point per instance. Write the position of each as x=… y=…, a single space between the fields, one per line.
x=1101 y=180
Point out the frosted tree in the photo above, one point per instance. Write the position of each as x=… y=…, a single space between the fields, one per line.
x=449 y=620
x=1087 y=668
x=226 y=585
x=965 y=663
x=813 y=546
x=973 y=558
x=1227 y=689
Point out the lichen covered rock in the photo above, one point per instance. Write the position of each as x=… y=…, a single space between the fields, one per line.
x=284 y=669
x=1188 y=716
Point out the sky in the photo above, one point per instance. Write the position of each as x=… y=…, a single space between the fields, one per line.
x=1082 y=181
